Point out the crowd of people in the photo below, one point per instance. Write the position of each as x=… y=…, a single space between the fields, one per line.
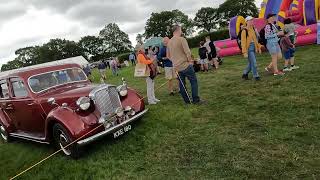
x=278 y=42
x=175 y=57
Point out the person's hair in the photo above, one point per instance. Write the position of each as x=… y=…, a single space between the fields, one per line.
x=201 y=43
x=287 y=21
x=208 y=37
x=175 y=28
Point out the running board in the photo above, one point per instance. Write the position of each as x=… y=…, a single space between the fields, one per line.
x=29 y=137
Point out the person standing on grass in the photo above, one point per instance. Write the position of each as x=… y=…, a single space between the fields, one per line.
x=212 y=52
x=290 y=28
x=132 y=58
x=179 y=53
x=203 y=57
x=144 y=59
x=271 y=35
x=114 y=66
x=170 y=75
x=250 y=47
x=288 y=51
x=102 y=69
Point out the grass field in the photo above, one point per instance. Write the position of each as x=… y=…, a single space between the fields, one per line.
x=248 y=130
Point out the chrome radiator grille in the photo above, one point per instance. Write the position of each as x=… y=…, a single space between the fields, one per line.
x=106 y=99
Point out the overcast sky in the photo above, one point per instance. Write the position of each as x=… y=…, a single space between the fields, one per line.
x=34 y=22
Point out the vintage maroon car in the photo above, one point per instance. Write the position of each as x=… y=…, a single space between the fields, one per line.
x=59 y=105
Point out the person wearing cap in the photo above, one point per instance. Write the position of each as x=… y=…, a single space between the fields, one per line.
x=250 y=46
x=272 y=36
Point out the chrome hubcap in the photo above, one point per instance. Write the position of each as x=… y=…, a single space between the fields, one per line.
x=64 y=142
x=3 y=133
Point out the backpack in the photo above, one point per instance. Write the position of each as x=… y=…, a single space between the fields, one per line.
x=262 y=33
x=203 y=53
x=213 y=52
x=239 y=38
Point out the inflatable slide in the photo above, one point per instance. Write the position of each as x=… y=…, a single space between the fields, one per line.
x=303 y=13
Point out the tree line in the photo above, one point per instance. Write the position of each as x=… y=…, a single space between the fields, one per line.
x=112 y=41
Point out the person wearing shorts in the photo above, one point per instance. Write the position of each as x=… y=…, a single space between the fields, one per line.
x=203 y=57
x=271 y=35
x=288 y=49
x=170 y=74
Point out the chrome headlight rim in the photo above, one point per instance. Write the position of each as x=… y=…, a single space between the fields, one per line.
x=122 y=90
x=119 y=112
x=83 y=103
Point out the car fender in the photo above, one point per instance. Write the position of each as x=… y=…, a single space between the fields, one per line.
x=134 y=100
x=70 y=119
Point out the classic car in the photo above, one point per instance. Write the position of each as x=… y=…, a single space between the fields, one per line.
x=58 y=105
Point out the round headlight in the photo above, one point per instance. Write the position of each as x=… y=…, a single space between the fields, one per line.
x=122 y=89
x=119 y=112
x=83 y=103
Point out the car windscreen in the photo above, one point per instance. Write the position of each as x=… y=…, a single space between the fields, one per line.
x=48 y=80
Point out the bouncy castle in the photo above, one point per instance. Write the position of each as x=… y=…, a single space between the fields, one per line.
x=304 y=13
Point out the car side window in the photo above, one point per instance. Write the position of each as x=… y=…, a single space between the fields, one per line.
x=18 y=88
x=4 y=91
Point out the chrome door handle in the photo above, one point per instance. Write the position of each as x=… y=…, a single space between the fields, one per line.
x=9 y=107
x=30 y=104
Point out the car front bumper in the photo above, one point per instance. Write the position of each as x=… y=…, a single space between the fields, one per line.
x=110 y=130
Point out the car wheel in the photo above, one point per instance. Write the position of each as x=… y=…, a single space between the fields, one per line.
x=4 y=134
x=62 y=139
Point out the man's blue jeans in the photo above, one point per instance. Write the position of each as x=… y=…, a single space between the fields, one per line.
x=252 y=62
x=191 y=75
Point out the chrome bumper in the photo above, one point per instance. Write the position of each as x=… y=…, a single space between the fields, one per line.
x=110 y=130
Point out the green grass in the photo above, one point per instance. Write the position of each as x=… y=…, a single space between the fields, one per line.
x=248 y=130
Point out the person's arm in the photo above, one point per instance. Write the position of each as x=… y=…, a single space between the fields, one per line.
x=288 y=41
x=143 y=60
x=244 y=43
x=186 y=49
x=168 y=53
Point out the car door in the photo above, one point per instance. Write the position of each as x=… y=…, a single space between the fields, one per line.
x=23 y=110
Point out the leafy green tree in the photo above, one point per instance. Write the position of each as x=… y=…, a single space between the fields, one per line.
x=159 y=24
x=231 y=8
x=207 y=19
x=28 y=56
x=92 y=47
x=115 y=41
x=139 y=39
x=14 y=64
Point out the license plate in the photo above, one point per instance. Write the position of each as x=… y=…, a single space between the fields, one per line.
x=122 y=131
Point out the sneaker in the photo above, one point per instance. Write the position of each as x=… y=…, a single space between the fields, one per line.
x=257 y=78
x=245 y=77
x=279 y=73
x=294 y=67
x=152 y=102
x=287 y=69
x=156 y=100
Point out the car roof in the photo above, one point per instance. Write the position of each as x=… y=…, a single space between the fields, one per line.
x=45 y=67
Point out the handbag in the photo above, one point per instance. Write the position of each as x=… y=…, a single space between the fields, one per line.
x=141 y=70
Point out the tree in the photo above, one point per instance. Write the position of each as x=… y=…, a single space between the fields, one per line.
x=27 y=56
x=115 y=41
x=14 y=64
x=159 y=24
x=231 y=8
x=92 y=47
x=139 y=39
x=207 y=19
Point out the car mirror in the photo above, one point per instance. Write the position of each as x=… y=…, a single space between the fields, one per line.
x=51 y=101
